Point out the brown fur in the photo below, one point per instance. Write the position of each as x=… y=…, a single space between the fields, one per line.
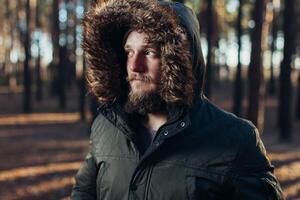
x=104 y=29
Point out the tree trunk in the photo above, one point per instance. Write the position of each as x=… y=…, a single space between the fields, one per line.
x=271 y=87
x=6 y=34
x=285 y=93
x=255 y=74
x=298 y=99
x=70 y=59
x=209 y=25
x=59 y=56
x=63 y=52
x=39 y=83
x=82 y=88
x=9 y=25
x=27 y=77
x=82 y=82
x=238 y=86
x=55 y=41
x=74 y=60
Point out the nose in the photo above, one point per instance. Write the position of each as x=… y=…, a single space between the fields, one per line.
x=136 y=63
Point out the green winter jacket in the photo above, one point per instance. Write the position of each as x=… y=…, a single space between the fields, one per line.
x=201 y=153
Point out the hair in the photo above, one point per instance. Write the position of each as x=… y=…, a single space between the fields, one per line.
x=104 y=30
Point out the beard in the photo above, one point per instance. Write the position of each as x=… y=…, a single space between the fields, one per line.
x=144 y=102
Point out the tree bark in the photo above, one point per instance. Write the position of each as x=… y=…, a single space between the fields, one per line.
x=63 y=53
x=285 y=93
x=59 y=57
x=55 y=41
x=255 y=74
x=272 y=88
x=238 y=86
x=27 y=77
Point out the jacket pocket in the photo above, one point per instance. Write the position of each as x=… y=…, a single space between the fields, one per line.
x=203 y=187
x=272 y=188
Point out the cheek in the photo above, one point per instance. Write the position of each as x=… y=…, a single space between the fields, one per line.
x=156 y=70
x=127 y=66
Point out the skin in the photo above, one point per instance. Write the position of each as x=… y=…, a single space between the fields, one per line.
x=144 y=70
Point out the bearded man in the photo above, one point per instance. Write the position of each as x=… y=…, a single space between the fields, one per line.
x=156 y=135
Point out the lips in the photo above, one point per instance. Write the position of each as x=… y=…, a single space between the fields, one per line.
x=136 y=79
x=145 y=79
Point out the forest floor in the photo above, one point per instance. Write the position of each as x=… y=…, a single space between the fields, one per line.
x=41 y=152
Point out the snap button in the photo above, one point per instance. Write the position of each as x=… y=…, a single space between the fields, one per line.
x=156 y=143
x=182 y=124
x=166 y=133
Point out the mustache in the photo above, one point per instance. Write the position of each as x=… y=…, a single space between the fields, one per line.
x=139 y=77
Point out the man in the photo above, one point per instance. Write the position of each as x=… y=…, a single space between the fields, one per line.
x=156 y=136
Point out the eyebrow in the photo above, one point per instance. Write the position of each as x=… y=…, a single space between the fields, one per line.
x=128 y=46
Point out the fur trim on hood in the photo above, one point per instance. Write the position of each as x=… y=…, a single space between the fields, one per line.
x=104 y=29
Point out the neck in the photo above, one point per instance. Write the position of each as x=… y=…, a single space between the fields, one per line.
x=155 y=120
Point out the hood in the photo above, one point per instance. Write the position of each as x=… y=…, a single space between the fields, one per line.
x=170 y=26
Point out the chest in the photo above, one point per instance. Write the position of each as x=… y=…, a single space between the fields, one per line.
x=176 y=168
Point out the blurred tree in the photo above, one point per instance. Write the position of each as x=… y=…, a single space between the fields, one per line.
x=275 y=23
x=70 y=32
x=298 y=99
x=74 y=55
x=82 y=82
x=39 y=83
x=209 y=28
x=285 y=92
x=55 y=42
x=83 y=91
x=297 y=18
x=27 y=75
x=238 y=86
x=255 y=74
x=59 y=56
x=63 y=52
x=9 y=24
x=6 y=35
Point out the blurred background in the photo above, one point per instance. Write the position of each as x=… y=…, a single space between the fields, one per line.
x=251 y=48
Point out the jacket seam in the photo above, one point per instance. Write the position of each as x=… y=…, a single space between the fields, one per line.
x=120 y=157
x=148 y=183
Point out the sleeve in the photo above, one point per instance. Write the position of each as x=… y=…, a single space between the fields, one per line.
x=252 y=173
x=85 y=187
x=85 y=181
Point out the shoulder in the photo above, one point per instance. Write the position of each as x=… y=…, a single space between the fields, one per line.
x=232 y=134
x=208 y=116
x=101 y=129
x=97 y=124
x=228 y=130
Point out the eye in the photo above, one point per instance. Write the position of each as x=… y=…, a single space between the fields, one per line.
x=129 y=52
x=151 y=52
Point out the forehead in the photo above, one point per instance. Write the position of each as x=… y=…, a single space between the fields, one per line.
x=136 y=38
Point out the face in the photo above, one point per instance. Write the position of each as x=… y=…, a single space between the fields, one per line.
x=143 y=64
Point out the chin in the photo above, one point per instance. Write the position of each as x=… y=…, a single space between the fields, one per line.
x=141 y=92
x=141 y=89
